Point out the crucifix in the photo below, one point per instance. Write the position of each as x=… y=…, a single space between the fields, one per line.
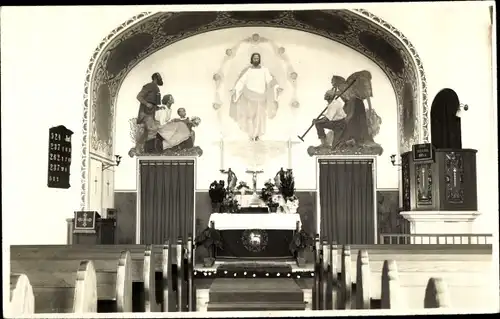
x=107 y=183
x=254 y=178
x=95 y=188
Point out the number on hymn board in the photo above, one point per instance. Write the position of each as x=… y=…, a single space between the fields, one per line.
x=59 y=163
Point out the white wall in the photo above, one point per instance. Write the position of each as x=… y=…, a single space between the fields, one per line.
x=456 y=54
x=45 y=52
x=188 y=67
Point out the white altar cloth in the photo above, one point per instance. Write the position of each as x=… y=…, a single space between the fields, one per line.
x=271 y=221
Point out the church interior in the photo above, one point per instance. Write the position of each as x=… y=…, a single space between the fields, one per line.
x=225 y=160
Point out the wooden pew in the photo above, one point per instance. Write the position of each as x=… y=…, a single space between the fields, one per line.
x=167 y=277
x=391 y=292
x=345 y=279
x=148 y=269
x=465 y=268
x=436 y=292
x=123 y=285
x=58 y=291
x=22 y=299
x=113 y=280
x=363 y=281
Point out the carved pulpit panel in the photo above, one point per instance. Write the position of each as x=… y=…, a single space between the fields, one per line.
x=405 y=176
x=454 y=178
x=423 y=180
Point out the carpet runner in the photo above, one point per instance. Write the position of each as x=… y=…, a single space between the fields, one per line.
x=255 y=294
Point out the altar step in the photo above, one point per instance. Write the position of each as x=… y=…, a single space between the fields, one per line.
x=255 y=306
x=255 y=294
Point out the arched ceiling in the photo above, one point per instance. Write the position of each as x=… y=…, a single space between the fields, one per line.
x=147 y=33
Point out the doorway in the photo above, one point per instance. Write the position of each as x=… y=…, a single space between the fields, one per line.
x=347 y=200
x=446 y=127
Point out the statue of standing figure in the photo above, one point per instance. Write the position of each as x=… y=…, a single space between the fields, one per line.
x=254 y=98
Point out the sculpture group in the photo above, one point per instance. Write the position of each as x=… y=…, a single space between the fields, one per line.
x=345 y=126
x=351 y=127
x=154 y=131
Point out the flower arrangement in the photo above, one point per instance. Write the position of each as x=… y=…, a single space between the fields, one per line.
x=230 y=204
x=301 y=240
x=217 y=193
x=286 y=188
x=242 y=187
x=211 y=239
x=266 y=196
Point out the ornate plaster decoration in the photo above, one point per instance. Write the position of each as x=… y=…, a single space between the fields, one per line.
x=147 y=33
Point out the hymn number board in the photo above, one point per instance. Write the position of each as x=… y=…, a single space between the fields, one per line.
x=59 y=157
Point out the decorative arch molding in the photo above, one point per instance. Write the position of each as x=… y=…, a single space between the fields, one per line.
x=146 y=33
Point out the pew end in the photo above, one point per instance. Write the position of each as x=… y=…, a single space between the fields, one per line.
x=437 y=294
x=124 y=283
x=22 y=299
x=85 y=295
x=150 y=304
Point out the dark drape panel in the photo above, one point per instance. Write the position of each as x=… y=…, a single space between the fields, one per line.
x=446 y=128
x=167 y=200
x=346 y=201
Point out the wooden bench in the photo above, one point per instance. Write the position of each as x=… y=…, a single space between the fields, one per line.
x=436 y=293
x=142 y=263
x=466 y=270
x=22 y=299
x=61 y=292
x=55 y=281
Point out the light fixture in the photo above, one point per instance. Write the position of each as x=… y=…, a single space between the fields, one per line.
x=461 y=107
x=393 y=160
x=118 y=159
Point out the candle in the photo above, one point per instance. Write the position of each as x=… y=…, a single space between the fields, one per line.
x=289 y=153
x=221 y=153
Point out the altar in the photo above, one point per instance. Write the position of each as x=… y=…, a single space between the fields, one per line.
x=255 y=236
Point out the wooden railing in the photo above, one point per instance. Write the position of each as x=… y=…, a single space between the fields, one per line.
x=435 y=239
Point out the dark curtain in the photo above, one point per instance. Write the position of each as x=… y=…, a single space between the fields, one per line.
x=167 y=200
x=446 y=128
x=346 y=201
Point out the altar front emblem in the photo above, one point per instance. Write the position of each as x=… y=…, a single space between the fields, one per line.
x=85 y=221
x=255 y=240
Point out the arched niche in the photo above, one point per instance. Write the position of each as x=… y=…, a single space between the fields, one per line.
x=446 y=130
x=142 y=35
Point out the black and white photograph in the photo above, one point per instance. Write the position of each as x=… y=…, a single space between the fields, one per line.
x=250 y=160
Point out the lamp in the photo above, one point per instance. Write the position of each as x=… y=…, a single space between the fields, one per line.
x=393 y=160
x=118 y=159
x=461 y=107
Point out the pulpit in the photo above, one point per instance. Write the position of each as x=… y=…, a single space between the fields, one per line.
x=439 y=189
x=88 y=228
x=255 y=236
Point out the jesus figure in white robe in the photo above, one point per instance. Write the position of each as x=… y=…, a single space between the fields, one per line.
x=254 y=98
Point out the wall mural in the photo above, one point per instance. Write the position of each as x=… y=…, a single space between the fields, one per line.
x=147 y=33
